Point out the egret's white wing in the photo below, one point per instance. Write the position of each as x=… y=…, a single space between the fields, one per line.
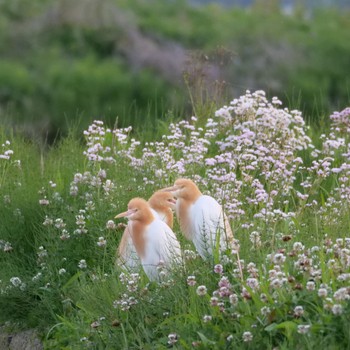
x=209 y=228
x=161 y=245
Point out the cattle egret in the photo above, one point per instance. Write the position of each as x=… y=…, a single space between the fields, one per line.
x=202 y=219
x=162 y=205
x=155 y=242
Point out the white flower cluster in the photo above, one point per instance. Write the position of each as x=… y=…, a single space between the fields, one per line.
x=6 y=152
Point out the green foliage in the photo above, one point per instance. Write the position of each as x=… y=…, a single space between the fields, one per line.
x=84 y=89
x=57 y=204
x=62 y=60
x=16 y=84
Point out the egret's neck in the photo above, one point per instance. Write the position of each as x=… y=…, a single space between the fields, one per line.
x=138 y=228
x=183 y=207
x=191 y=195
x=169 y=217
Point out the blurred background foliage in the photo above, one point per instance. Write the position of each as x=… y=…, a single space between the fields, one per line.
x=136 y=62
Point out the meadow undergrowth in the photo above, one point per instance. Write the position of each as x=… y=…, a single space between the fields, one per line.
x=287 y=201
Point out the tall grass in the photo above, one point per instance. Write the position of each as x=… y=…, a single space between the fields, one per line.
x=287 y=197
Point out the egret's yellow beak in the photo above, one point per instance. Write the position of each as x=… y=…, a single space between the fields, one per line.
x=125 y=214
x=172 y=201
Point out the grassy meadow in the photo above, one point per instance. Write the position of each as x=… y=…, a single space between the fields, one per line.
x=284 y=185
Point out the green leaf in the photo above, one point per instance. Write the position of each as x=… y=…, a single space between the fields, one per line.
x=287 y=327
x=71 y=280
x=205 y=340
